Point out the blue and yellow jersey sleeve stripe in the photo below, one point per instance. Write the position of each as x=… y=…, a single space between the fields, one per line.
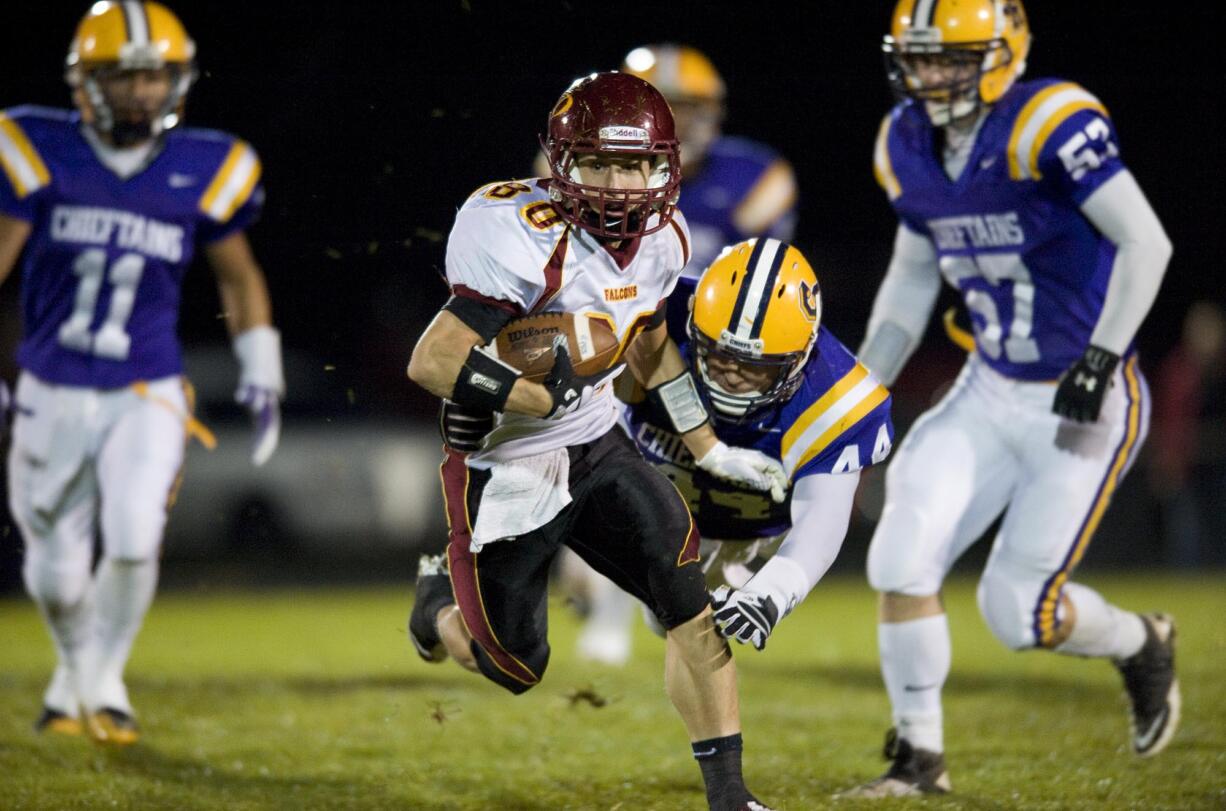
x=768 y=200
x=883 y=167
x=22 y=164
x=233 y=184
x=835 y=413
x=1038 y=119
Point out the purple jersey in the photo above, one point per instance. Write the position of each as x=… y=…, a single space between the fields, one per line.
x=102 y=270
x=1009 y=233
x=837 y=422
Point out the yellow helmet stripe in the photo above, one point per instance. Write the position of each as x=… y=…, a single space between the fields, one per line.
x=848 y=382
x=1038 y=119
x=25 y=169
x=232 y=184
x=838 y=419
x=883 y=168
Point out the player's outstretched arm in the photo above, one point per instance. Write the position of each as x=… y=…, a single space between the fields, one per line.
x=13 y=236
x=903 y=306
x=1120 y=211
x=656 y=363
x=821 y=513
x=257 y=344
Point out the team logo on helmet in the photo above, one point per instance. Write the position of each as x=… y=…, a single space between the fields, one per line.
x=807 y=299
x=565 y=103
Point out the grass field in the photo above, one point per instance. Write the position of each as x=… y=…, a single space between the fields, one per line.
x=313 y=699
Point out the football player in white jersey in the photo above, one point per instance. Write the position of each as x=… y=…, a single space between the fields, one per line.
x=601 y=235
x=1015 y=193
x=105 y=206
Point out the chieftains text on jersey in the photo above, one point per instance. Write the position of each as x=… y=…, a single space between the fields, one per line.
x=91 y=225
x=977 y=231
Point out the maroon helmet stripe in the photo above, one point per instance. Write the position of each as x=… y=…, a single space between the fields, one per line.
x=553 y=272
x=462 y=563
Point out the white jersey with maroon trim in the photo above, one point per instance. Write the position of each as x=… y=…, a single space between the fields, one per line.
x=509 y=248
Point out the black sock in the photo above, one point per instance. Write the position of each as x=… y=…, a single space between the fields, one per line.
x=720 y=761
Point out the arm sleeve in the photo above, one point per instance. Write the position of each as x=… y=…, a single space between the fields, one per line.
x=903 y=306
x=1120 y=211
x=821 y=513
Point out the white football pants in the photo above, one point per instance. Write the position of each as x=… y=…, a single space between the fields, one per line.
x=83 y=460
x=993 y=444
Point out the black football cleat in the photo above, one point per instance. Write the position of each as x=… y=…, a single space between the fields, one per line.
x=1153 y=690
x=912 y=772
x=433 y=594
x=112 y=727
x=55 y=722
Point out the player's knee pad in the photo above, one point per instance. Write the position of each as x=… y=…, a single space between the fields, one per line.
x=55 y=584
x=519 y=674
x=132 y=526
x=1007 y=605
x=896 y=556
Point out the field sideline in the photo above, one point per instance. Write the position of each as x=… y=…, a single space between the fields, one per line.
x=313 y=699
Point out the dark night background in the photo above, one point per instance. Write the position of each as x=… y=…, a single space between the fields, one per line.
x=375 y=120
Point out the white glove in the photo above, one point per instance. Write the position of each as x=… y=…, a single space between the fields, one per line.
x=261 y=385
x=746 y=616
x=748 y=468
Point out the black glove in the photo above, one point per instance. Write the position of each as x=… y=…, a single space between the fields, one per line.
x=462 y=428
x=567 y=388
x=1080 y=392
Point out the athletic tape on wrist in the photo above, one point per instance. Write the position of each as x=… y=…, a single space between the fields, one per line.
x=484 y=382
x=678 y=398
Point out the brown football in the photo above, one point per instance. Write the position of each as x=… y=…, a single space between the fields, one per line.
x=527 y=343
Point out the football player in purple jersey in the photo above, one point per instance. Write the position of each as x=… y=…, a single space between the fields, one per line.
x=1015 y=193
x=104 y=207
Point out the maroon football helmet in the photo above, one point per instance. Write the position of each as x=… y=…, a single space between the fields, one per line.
x=623 y=115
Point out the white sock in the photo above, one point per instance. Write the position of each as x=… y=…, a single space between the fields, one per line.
x=51 y=587
x=606 y=634
x=61 y=694
x=1101 y=629
x=915 y=657
x=123 y=591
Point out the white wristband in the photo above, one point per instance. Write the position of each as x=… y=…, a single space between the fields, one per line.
x=259 y=358
x=679 y=399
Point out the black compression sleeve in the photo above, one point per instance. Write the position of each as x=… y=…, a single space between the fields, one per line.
x=483 y=318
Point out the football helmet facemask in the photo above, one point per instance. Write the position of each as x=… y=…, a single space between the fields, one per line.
x=621 y=116
x=978 y=49
x=116 y=40
x=758 y=305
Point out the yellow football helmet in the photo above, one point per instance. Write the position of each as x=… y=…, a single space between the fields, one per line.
x=760 y=306
x=984 y=43
x=693 y=88
x=114 y=37
x=677 y=71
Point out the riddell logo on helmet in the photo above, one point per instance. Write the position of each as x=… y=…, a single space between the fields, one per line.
x=624 y=134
